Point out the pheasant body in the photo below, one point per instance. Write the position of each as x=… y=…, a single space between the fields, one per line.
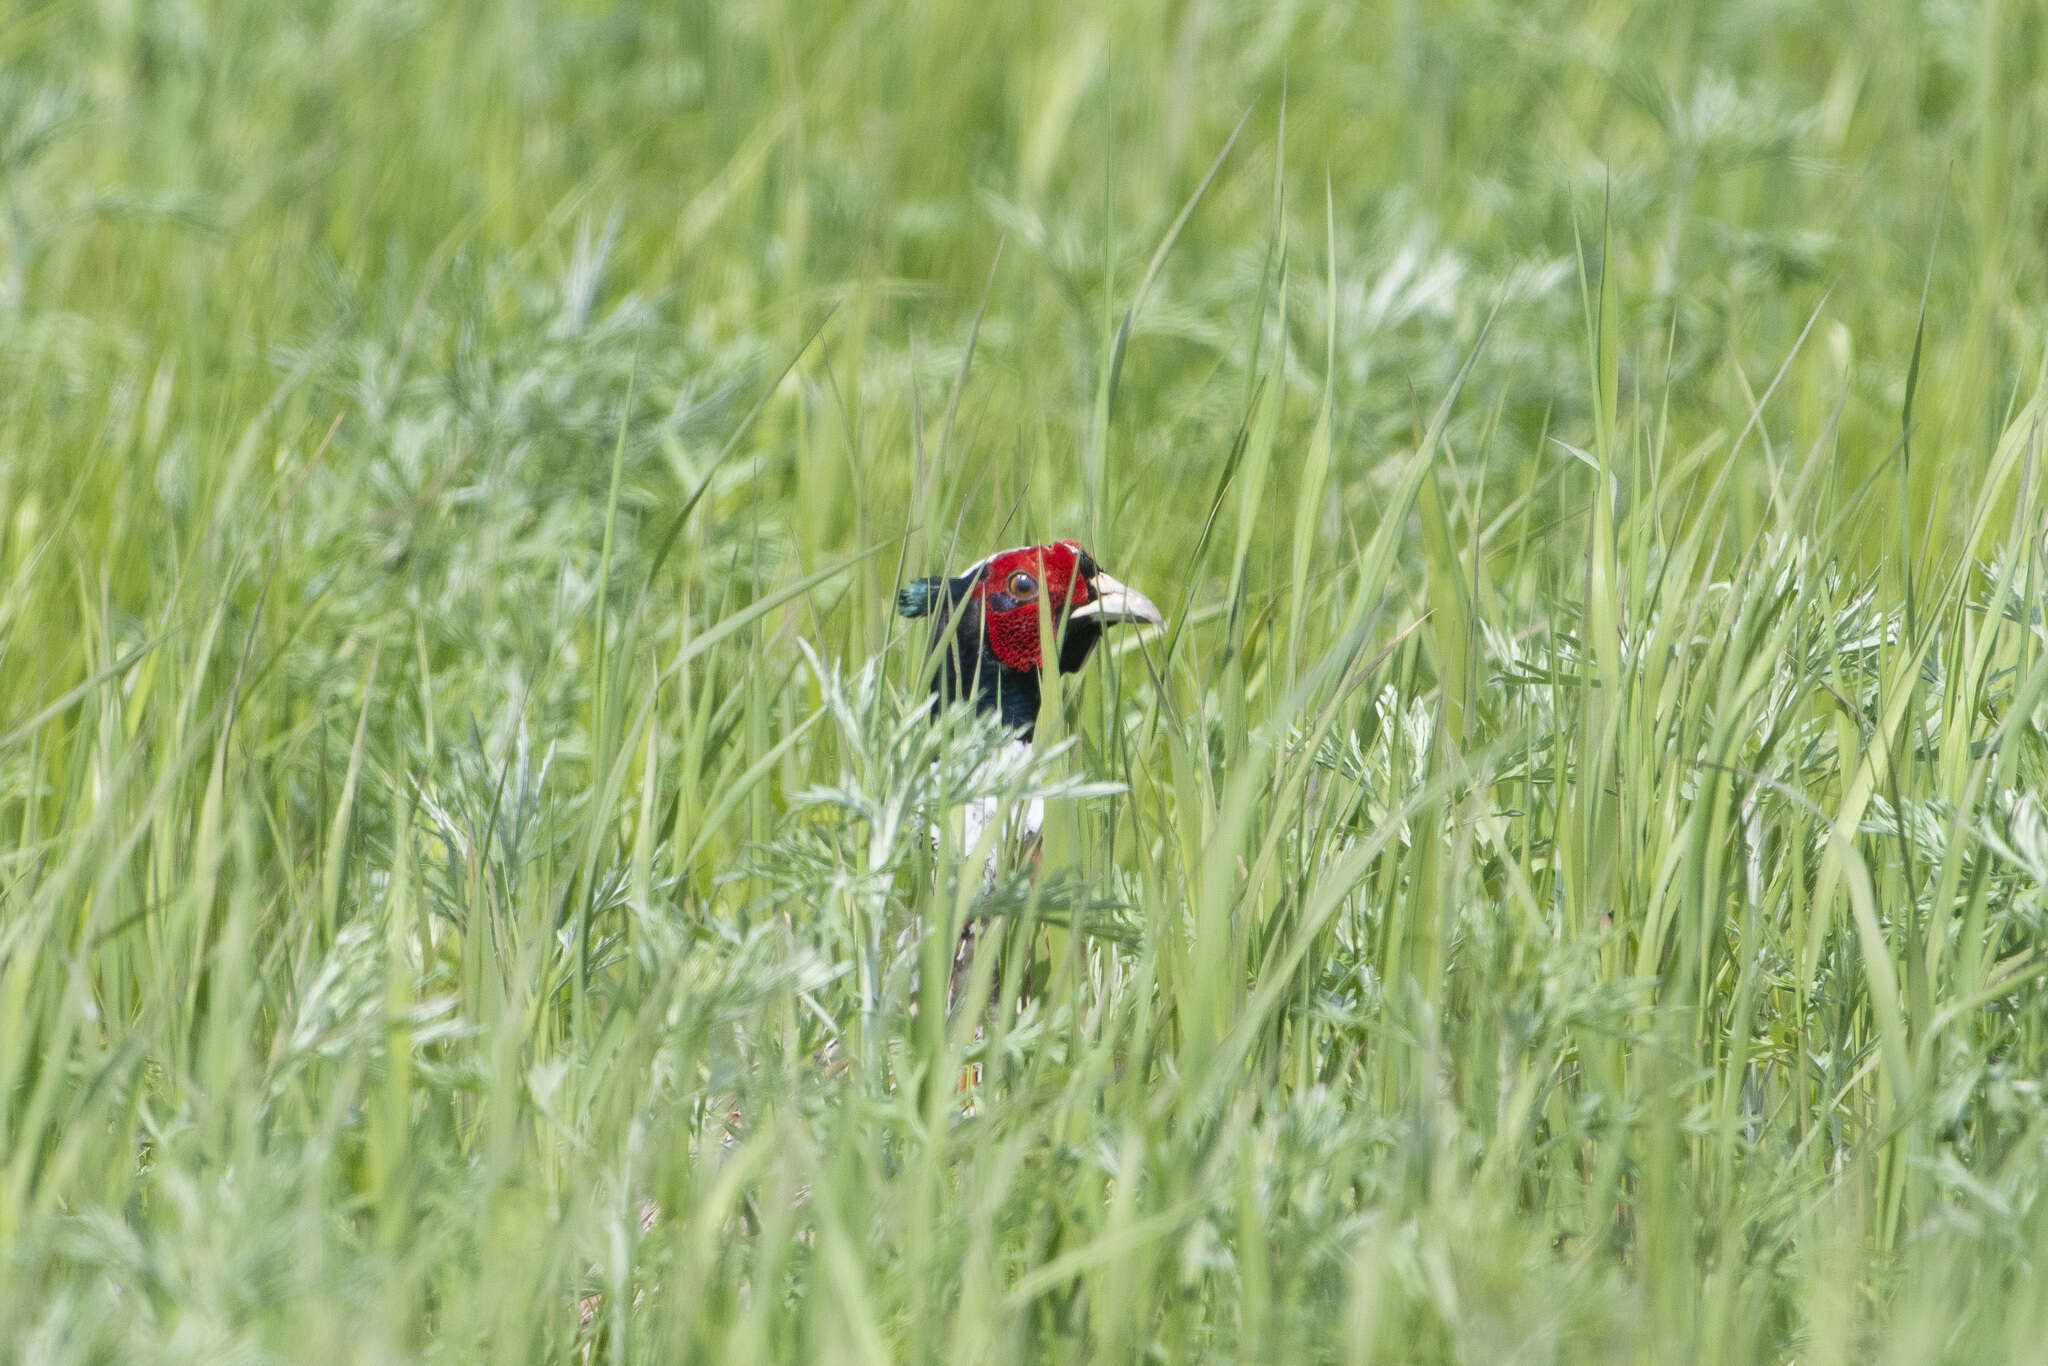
x=995 y=623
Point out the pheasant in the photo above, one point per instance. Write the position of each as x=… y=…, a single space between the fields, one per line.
x=991 y=650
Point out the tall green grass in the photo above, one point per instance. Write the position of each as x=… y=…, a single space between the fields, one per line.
x=1567 y=885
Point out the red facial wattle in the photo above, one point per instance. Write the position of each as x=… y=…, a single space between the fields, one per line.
x=1016 y=586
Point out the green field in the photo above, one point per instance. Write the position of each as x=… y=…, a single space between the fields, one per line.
x=1567 y=885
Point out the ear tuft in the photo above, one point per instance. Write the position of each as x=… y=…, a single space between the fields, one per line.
x=916 y=598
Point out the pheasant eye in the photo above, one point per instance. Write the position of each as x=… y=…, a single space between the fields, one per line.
x=1022 y=585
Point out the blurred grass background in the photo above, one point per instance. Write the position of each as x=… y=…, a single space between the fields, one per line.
x=1578 y=894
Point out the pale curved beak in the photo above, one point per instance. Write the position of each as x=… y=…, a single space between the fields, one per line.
x=1114 y=602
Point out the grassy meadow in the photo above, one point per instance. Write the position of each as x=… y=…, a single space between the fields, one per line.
x=1567 y=886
